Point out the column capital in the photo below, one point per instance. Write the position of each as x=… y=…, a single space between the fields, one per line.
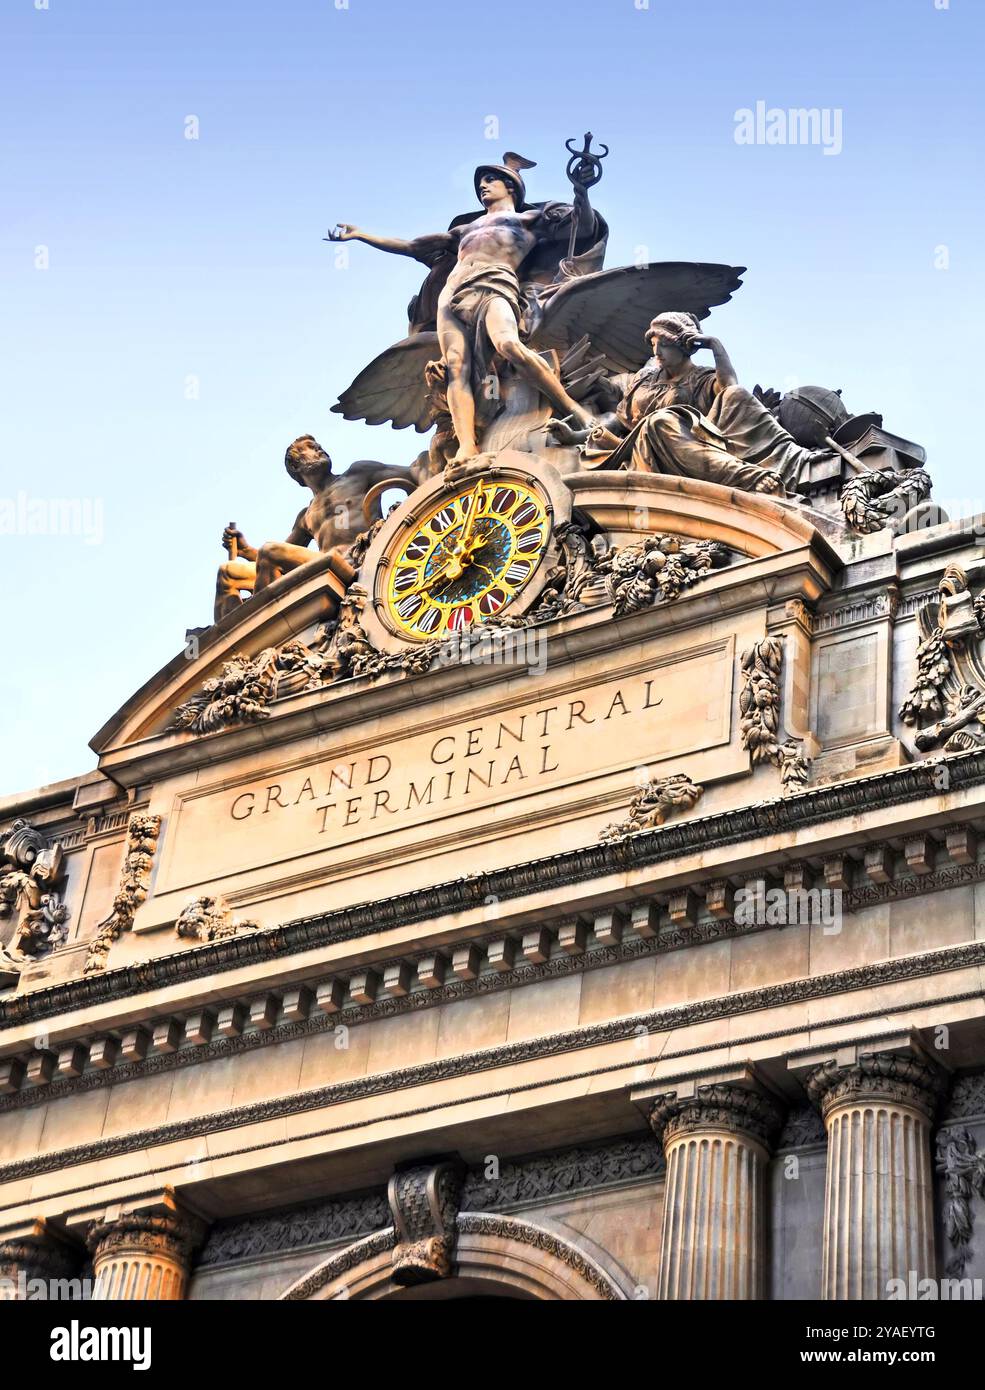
x=40 y=1251
x=172 y=1236
x=142 y=1249
x=718 y=1106
x=877 y=1076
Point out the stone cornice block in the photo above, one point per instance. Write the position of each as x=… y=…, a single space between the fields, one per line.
x=396 y=979
x=71 y=1060
x=199 y=1027
x=167 y=1035
x=962 y=845
x=500 y=953
x=465 y=962
x=296 y=1004
x=535 y=945
x=231 y=1020
x=571 y=937
x=609 y=927
x=363 y=986
x=431 y=971
x=645 y=919
x=103 y=1053
x=329 y=996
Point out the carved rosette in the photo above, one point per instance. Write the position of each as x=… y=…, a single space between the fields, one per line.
x=142 y=837
x=878 y=1200
x=424 y=1202
x=716 y=1145
x=143 y=1257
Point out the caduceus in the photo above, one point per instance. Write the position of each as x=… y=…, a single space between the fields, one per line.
x=584 y=169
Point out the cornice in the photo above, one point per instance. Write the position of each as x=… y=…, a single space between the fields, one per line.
x=643 y=849
x=597 y=956
x=508 y=1055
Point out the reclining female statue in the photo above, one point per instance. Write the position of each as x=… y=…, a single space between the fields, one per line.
x=693 y=422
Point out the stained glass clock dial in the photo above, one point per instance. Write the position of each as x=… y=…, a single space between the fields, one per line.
x=469 y=555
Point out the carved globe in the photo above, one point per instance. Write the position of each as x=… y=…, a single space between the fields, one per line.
x=811 y=412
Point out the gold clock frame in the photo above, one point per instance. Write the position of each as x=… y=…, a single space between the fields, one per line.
x=507 y=466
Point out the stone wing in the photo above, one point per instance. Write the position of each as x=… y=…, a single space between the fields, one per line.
x=614 y=307
x=392 y=387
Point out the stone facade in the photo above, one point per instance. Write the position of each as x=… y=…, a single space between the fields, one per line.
x=627 y=946
x=590 y=1029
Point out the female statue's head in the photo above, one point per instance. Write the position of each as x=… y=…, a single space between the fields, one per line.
x=669 y=337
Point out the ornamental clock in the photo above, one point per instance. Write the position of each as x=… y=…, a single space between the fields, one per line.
x=455 y=555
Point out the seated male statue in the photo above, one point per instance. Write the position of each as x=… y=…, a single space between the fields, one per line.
x=694 y=422
x=342 y=506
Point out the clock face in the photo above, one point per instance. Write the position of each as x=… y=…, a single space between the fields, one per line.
x=469 y=555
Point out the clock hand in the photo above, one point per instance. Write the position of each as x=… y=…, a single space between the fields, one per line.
x=425 y=583
x=470 y=519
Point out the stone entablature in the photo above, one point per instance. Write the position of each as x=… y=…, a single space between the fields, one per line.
x=505 y=956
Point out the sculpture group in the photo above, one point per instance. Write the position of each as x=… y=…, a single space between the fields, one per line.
x=520 y=339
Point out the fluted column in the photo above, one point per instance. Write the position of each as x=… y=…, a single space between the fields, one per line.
x=716 y=1145
x=143 y=1256
x=878 y=1199
x=33 y=1254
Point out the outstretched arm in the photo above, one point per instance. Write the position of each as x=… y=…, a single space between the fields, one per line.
x=345 y=231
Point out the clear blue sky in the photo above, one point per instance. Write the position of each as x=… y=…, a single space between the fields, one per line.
x=170 y=258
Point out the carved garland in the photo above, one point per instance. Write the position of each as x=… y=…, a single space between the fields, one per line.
x=141 y=846
x=657 y=569
x=759 y=715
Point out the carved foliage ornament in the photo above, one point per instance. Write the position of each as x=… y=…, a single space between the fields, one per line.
x=141 y=846
x=653 y=803
x=723 y=1106
x=210 y=918
x=654 y=570
x=875 y=1076
x=31 y=874
x=759 y=715
x=950 y=684
x=173 y=1236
